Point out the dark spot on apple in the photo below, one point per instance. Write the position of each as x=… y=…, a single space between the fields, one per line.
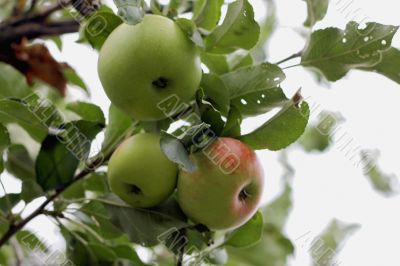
x=135 y=189
x=160 y=83
x=244 y=194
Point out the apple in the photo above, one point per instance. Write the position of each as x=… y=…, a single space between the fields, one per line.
x=141 y=65
x=139 y=173
x=225 y=189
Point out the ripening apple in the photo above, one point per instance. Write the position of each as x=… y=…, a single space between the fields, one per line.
x=141 y=65
x=140 y=174
x=225 y=189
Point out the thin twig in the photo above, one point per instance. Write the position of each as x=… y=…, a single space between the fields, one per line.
x=293 y=56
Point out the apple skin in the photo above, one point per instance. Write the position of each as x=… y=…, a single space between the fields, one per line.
x=140 y=174
x=141 y=65
x=226 y=188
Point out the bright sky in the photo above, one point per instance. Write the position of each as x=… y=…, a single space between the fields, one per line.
x=325 y=185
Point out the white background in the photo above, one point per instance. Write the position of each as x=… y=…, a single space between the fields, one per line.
x=327 y=185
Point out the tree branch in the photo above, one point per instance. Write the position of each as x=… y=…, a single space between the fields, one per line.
x=14 y=228
x=34 y=30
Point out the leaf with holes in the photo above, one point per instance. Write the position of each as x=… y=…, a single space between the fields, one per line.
x=388 y=66
x=335 y=52
x=253 y=90
x=282 y=129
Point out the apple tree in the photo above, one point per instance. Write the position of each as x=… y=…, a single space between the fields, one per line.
x=175 y=182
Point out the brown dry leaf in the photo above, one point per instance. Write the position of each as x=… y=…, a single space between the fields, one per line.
x=41 y=65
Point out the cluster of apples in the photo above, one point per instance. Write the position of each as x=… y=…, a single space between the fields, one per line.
x=139 y=66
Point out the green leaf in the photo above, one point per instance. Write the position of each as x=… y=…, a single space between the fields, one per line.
x=388 y=65
x=316 y=11
x=175 y=151
x=253 y=90
x=334 y=52
x=277 y=211
x=97 y=182
x=274 y=247
x=207 y=13
x=281 y=130
x=248 y=234
x=57 y=41
x=209 y=114
x=150 y=226
x=191 y=30
x=73 y=78
x=221 y=64
x=102 y=252
x=30 y=190
x=318 y=137
x=215 y=92
x=61 y=154
x=386 y=184
x=19 y=163
x=233 y=122
x=238 y=30
x=126 y=251
x=9 y=201
x=18 y=112
x=87 y=111
x=4 y=139
x=12 y=83
x=332 y=240
x=99 y=26
x=119 y=127
x=131 y=11
x=30 y=241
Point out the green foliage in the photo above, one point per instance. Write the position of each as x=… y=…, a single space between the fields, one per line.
x=274 y=134
x=334 y=52
x=248 y=234
x=274 y=247
x=328 y=244
x=317 y=137
x=151 y=226
x=176 y=151
x=61 y=154
x=119 y=127
x=207 y=13
x=386 y=184
x=239 y=30
x=96 y=29
x=316 y=11
x=74 y=79
x=87 y=111
x=130 y=10
x=387 y=65
x=253 y=90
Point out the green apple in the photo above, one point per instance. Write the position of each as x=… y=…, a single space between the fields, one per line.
x=140 y=174
x=225 y=189
x=141 y=65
